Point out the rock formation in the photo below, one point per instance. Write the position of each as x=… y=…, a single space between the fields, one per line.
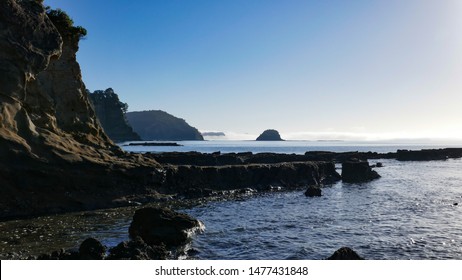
x=137 y=249
x=428 y=154
x=159 y=125
x=111 y=115
x=270 y=135
x=357 y=171
x=313 y=191
x=345 y=253
x=158 y=226
x=54 y=156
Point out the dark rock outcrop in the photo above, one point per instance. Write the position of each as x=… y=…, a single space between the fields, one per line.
x=92 y=249
x=111 y=115
x=137 y=249
x=212 y=159
x=270 y=135
x=345 y=253
x=357 y=171
x=159 y=125
x=428 y=154
x=158 y=226
x=313 y=191
x=260 y=176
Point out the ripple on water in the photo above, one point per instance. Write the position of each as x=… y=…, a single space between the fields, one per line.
x=406 y=214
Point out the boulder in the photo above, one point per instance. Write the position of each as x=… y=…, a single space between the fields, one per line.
x=345 y=253
x=357 y=171
x=92 y=249
x=313 y=191
x=158 y=226
x=137 y=249
x=270 y=135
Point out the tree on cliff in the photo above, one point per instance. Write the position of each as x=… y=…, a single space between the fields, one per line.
x=111 y=114
x=64 y=23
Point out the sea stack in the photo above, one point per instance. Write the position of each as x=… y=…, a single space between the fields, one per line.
x=270 y=135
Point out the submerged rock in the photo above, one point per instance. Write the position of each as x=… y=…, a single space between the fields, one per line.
x=345 y=253
x=357 y=171
x=158 y=226
x=313 y=191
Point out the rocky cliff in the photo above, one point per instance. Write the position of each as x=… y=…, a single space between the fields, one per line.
x=159 y=125
x=54 y=156
x=111 y=115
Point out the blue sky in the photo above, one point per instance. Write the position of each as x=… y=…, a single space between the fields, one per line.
x=310 y=69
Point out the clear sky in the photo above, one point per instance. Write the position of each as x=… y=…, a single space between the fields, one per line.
x=310 y=69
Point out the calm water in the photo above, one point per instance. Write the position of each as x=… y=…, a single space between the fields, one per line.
x=409 y=213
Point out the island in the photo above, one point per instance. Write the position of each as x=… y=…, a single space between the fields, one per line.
x=270 y=135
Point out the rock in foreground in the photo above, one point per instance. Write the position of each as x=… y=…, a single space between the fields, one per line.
x=92 y=249
x=158 y=226
x=313 y=191
x=137 y=249
x=358 y=171
x=345 y=253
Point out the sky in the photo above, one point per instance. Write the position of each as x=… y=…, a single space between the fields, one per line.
x=331 y=69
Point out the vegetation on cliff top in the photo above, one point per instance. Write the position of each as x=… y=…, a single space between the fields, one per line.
x=111 y=114
x=65 y=24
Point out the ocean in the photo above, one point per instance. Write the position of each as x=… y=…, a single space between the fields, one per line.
x=412 y=212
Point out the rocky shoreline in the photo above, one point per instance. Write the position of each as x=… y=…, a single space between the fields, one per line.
x=188 y=175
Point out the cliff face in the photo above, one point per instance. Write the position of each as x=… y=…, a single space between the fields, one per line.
x=23 y=54
x=159 y=125
x=111 y=115
x=54 y=156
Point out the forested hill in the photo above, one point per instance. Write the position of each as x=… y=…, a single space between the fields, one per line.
x=159 y=125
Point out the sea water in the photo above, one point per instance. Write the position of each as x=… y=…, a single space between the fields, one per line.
x=412 y=212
